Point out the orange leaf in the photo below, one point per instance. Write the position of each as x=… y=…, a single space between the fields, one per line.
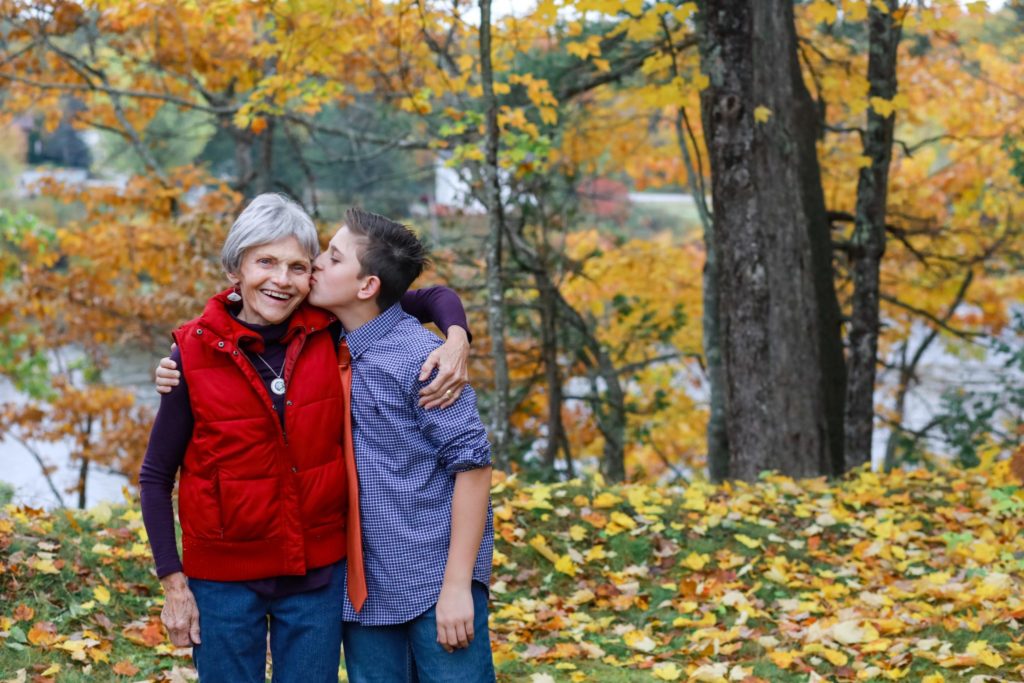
x=23 y=612
x=42 y=633
x=125 y=668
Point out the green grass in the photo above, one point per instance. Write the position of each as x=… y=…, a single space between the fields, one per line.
x=612 y=617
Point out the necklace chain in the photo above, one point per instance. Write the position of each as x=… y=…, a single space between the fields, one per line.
x=278 y=384
x=269 y=366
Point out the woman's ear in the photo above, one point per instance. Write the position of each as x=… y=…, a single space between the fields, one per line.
x=233 y=279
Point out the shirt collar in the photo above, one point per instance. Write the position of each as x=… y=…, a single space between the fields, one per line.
x=364 y=336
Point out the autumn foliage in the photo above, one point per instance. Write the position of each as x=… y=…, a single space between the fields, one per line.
x=590 y=94
x=909 y=576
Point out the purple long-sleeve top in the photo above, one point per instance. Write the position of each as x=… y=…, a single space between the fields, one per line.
x=172 y=431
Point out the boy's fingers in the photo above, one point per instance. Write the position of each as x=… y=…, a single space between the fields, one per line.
x=442 y=638
x=460 y=635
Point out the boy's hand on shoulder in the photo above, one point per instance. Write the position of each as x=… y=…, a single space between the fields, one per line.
x=454 y=615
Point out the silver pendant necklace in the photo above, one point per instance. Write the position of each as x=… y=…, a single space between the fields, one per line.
x=277 y=384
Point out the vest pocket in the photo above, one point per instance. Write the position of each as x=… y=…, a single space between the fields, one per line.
x=250 y=507
x=324 y=493
x=199 y=507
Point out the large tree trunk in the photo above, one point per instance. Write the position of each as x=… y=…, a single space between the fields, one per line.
x=769 y=237
x=495 y=281
x=868 y=243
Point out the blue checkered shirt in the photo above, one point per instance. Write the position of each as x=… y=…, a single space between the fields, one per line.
x=407 y=459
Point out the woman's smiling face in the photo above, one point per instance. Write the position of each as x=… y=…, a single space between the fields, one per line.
x=273 y=280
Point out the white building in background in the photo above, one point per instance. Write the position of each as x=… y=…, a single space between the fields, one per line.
x=451 y=191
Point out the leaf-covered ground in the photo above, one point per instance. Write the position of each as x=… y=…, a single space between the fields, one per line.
x=914 y=576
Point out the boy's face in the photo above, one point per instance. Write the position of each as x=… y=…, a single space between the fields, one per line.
x=336 y=282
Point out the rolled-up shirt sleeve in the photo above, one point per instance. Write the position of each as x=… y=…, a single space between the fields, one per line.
x=456 y=432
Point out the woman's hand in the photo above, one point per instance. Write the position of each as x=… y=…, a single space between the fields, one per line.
x=452 y=361
x=167 y=375
x=180 y=613
x=454 y=616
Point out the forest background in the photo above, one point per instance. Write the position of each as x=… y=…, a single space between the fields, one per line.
x=845 y=180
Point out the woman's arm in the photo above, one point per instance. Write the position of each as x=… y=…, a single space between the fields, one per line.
x=439 y=305
x=168 y=440
x=442 y=306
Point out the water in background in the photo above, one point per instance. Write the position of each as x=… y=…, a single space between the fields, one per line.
x=132 y=370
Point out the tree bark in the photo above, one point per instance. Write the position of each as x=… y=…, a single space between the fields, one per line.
x=868 y=241
x=552 y=373
x=495 y=280
x=774 y=276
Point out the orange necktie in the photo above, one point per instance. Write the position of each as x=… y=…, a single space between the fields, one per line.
x=354 y=540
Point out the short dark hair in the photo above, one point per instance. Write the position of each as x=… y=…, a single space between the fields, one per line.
x=392 y=252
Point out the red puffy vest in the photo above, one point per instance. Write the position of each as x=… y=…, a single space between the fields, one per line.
x=256 y=500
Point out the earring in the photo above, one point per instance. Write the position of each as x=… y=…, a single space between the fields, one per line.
x=234 y=296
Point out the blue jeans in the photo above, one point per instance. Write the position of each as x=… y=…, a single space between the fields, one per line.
x=305 y=633
x=410 y=653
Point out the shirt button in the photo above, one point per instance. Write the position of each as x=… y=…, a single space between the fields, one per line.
x=199 y=331
x=295 y=469
x=234 y=353
x=220 y=345
x=288 y=403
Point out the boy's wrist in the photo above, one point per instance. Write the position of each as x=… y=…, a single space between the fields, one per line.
x=457 y=581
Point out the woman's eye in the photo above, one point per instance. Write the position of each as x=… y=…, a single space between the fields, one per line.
x=264 y=261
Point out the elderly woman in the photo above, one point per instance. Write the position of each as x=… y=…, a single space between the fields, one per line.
x=255 y=428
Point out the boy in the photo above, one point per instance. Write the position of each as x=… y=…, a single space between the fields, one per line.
x=424 y=476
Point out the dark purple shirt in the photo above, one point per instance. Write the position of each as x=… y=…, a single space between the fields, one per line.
x=172 y=431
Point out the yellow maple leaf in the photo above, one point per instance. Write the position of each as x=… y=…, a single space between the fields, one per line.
x=540 y=544
x=53 y=668
x=45 y=566
x=762 y=113
x=666 y=671
x=623 y=520
x=822 y=12
x=882 y=106
x=933 y=678
x=101 y=594
x=695 y=561
x=606 y=500
x=984 y=553
x=853 y=632
x=710 y=673
x=781 y=659
x=577 y=533
x=980 y=650
x=748 y=541
x=638 y=640
x=565 y=565
x=595 y=554
x=855 y=10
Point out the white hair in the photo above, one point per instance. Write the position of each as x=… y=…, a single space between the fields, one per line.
x=268 y=218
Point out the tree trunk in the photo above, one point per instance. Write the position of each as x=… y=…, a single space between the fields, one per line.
x=868 y=242
x=495 y=281
x=552 y=374
x=769 y=229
